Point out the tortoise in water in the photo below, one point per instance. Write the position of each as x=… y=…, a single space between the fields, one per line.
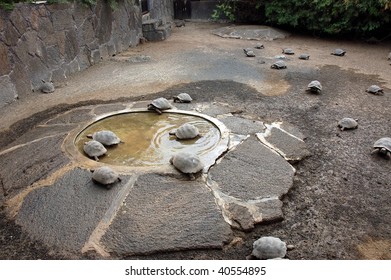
x=47 y=87
x=288 y=51
x=374 y=89
x=249 y=52
x=278 y=65
x=314 y=86
x=338 y=52
x=183 y=98
x=347 y=123
x=105 y=176
x=383 y=147
x=94 y=149
x=187 y=163
x=304 y=56
x=185 y=131
x=106 y=137
x=160 y=104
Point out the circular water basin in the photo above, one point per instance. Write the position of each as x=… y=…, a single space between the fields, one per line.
x=146 y=138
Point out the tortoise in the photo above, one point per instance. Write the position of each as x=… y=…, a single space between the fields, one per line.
x=374 y=89
x=288 y=51
x=183 y=98
x=383 y=147
x=105 y=176
x=47 y=87
x=179 y=23
x=338 y=52
x=304 y=56
x=185 y=131
x=269 y=247
x=94 y=149
x=279 y=64
x=249 y=52
x=314 y=86
x=347 y=123
x=259 y=46
x=160 y=104
x=280 y=56
x=187 y=163
x=389 y=56
x=106 y=137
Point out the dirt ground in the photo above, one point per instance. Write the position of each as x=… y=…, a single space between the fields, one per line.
x=340 y=204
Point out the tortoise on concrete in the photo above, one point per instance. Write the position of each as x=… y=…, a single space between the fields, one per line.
x=106 y=137
x=288 y=51
x=269 y=247
x=338 y=52
x=249 y=52
x=314 y=86
x=347 y=123
x=183 y=98
x=374 y=89
x=279 y=64
x=259 y=46
x=105 y=176
x=47 y=87
x=383 y=147
x=185 y=131
x=160 y=104
x=304 y=56
x=187 y=163
x=94 y=149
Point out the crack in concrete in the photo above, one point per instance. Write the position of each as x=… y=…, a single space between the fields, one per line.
x=13 y=148
x=14 y=204
x=93 y=243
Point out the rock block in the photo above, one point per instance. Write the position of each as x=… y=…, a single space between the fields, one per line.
x=290 y=147
x=66 y=213
x=163 y=213
x=253 y=171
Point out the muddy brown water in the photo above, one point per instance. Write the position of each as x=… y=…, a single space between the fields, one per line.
x=146 y=138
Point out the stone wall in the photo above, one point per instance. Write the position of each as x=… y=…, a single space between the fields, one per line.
x=161 y=9
x=52 y=41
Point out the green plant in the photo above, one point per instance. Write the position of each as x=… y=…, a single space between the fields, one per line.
x=350 y=17
x=225 y=8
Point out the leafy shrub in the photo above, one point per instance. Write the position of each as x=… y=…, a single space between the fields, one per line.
x=331 y=17
x=336 y=17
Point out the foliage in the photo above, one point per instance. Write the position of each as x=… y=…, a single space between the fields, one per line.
x=226 y=8
x=332 y=17
x=353 y=17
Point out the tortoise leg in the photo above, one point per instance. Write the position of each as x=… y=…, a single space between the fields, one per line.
x=192 y=177
x=158 y=111
x=96 y=158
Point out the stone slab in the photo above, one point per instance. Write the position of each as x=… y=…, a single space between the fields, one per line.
x=65 y=214
x=104 y=109
x=163 y=213
x=253 y=171
x=241 y=125
x=27 y=164
x=250 y=32
x=73 y=116
x=291 y=148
